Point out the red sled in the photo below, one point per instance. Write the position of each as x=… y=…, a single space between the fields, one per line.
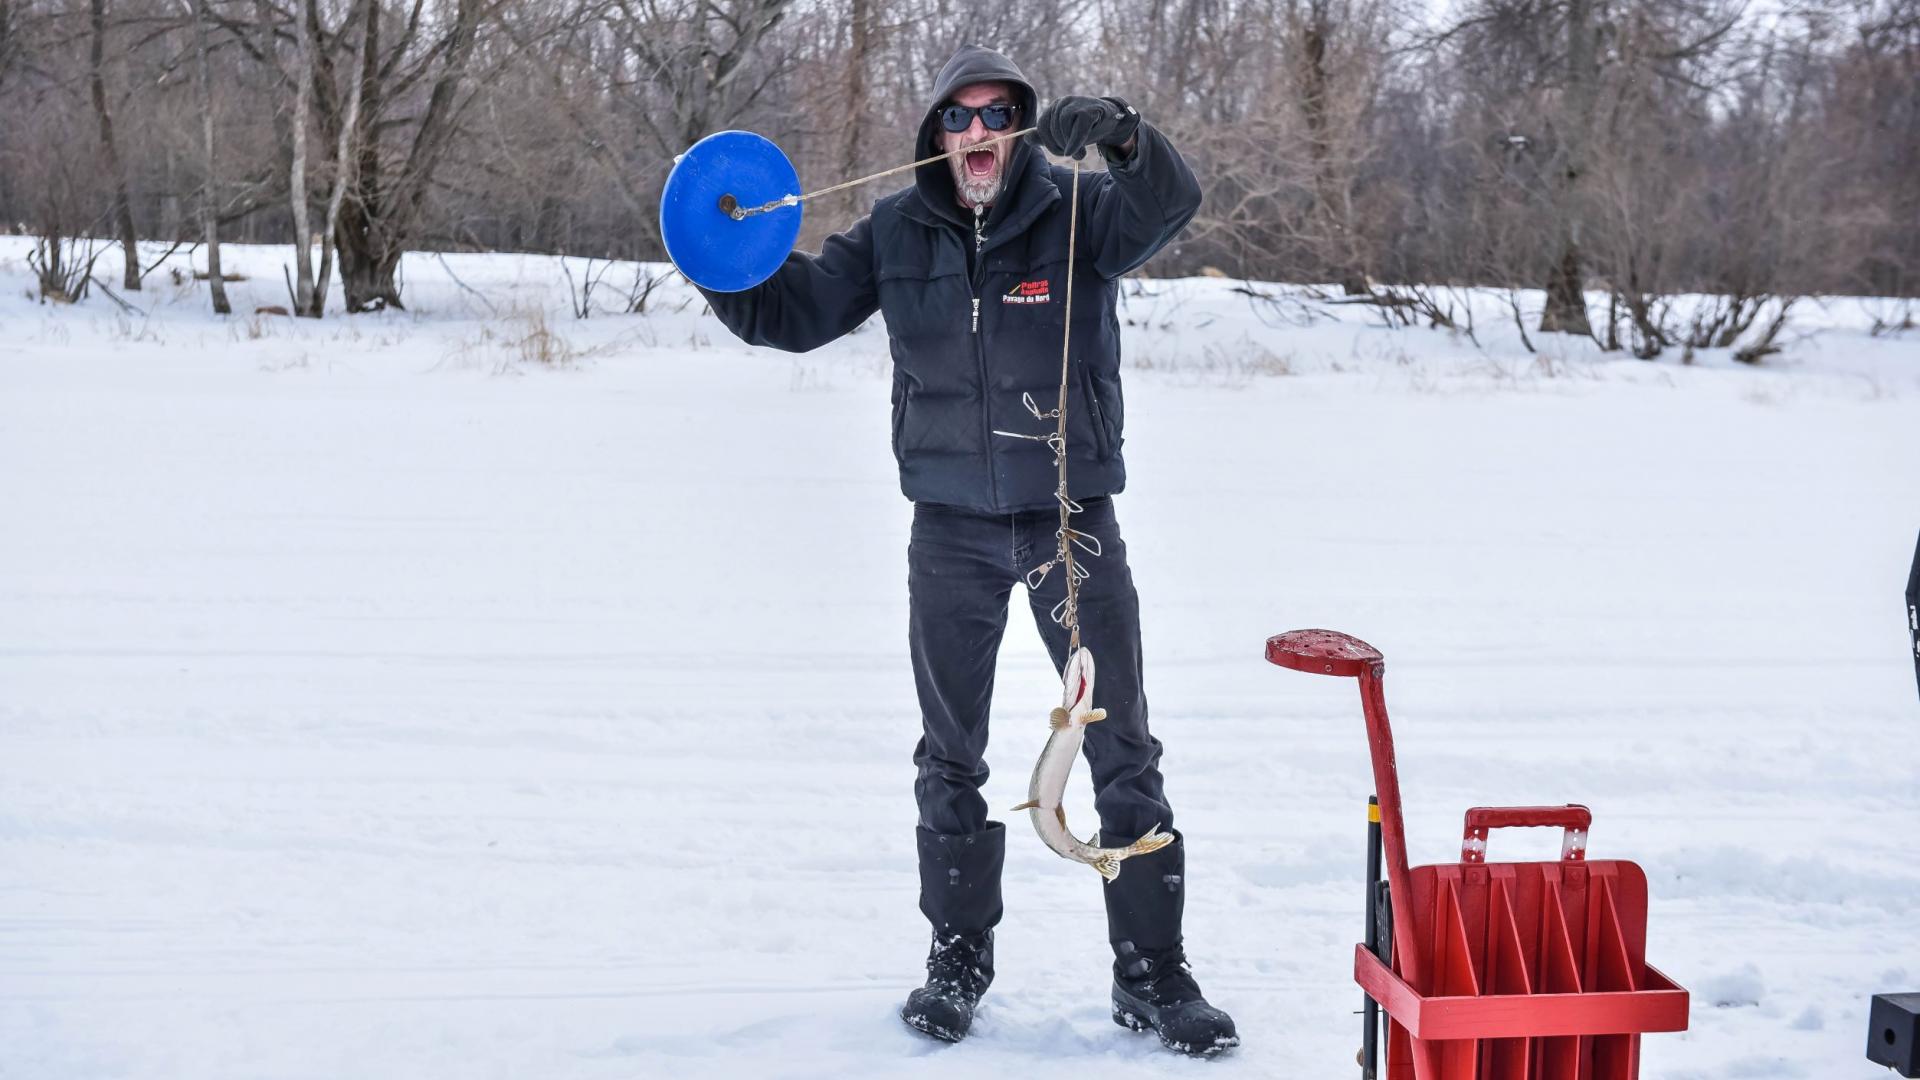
x=1493 y=971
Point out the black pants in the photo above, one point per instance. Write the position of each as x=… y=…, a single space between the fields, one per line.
x=961 y=570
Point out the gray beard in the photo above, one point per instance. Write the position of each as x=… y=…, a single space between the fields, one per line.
x=974 y=192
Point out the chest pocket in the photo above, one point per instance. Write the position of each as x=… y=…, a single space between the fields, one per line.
x=929 y=257
x=924 y=290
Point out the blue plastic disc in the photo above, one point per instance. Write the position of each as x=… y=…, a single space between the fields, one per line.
x=711 y=248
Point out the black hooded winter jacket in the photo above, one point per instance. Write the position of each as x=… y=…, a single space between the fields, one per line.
x=971 y=332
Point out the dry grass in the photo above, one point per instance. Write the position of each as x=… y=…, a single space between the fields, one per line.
x=133 y=330
x=1224 y=363
x=522 y=336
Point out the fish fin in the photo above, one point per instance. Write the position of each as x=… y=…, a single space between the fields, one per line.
x=1108 y=867
x=1095 y=715
x=1028 y=805
x=1059 y=720
x=1151 y=842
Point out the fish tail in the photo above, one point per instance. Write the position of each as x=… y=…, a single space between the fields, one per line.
x=1153 y=841
x=1108 y=860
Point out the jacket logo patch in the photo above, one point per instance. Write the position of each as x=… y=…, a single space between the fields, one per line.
x=1027 y=292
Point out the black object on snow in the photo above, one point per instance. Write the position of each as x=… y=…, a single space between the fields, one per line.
x=1893 y=1032
x=1153 y=986
x=1913 y=611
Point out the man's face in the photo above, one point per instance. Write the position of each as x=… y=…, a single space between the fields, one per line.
x=977 y=175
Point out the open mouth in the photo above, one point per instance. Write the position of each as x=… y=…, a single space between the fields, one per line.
x=979 y=162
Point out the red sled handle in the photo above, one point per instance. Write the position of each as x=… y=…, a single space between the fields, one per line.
x=1577 y=820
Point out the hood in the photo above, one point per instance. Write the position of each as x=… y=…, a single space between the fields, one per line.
x=972 y=64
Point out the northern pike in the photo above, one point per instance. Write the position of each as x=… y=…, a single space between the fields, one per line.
x=1049 y=783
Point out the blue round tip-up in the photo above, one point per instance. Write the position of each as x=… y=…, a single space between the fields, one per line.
x=712 y=249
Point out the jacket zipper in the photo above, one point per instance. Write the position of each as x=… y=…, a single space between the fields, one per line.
x=980 y=352
x=1102 y=442
x=979 y=242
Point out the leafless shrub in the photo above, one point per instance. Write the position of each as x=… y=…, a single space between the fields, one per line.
x=1645 y=316
x=1893 y=324
x=63 y=266
x=1519 y=320
x=644 y=283
x=1280 y=308
x=1767 y=343
x=1409 y=305
x=1719 y=321
x=1716 y=322
x=580 y=294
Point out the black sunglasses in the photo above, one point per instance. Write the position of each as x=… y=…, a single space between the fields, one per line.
x=997 y=117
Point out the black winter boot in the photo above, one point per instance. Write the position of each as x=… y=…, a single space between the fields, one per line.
x=960 y=896
x=1152 y=985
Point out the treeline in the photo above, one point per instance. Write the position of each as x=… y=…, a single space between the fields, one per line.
x=1637 y=148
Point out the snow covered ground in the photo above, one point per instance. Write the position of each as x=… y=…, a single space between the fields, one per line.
x=379 y=701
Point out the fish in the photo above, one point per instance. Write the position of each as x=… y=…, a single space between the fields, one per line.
x=1049 y=783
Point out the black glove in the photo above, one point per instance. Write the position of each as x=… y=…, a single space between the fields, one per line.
x=1071 y=124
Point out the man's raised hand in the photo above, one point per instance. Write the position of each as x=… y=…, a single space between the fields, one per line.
x=1071 y=124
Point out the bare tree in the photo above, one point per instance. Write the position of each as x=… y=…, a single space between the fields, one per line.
x=859 y=60
x=209 y=158
x=303 y=293
x=1332 y=52
x=389 y=185
x=345 y=157
x=1566 y=306
x=1872 y=117
x=122 y=211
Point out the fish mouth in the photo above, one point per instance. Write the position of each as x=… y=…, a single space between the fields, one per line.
x=980 y=162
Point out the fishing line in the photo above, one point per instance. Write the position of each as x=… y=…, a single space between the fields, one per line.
x=1067 y=611
x=1070 y=611
x=734 y=210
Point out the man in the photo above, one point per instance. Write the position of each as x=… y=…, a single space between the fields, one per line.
x=968 y=267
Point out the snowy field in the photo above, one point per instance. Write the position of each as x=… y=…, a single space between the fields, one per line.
x=378 y=700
